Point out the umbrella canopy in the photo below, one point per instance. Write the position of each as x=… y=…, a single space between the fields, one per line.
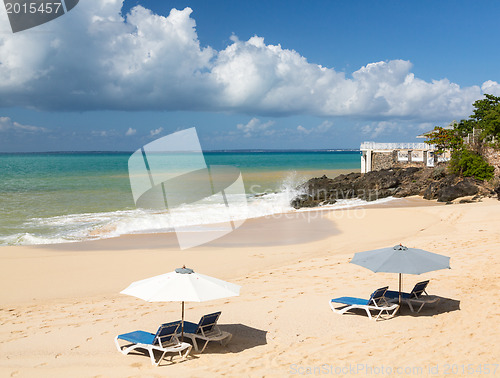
x=181 y=285
x=402 y=260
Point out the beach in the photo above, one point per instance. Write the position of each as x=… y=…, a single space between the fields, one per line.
x=61 y=307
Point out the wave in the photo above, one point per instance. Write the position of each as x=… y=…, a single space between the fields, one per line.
x=92 y=226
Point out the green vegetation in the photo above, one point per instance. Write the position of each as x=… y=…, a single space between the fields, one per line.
x=466 y=158
x=486 y=118
x=445 y=139
x=467 y=163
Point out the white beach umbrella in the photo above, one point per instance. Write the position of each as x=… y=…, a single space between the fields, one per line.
x=181 y=285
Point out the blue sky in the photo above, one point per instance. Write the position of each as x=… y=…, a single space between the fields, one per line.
x=114 y=75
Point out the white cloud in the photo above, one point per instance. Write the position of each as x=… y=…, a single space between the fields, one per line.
x=375 y=129
x=256 y=127
x=302 y=129
x=99 y=133
x=491 y=87
x=131 y=131
x=155 y=132
x=151 y=62
x=7 y=124
x=321 y=128
x=404 y=129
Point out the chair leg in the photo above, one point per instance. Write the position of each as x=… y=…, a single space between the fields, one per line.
x=188 y=350
x=421 y=306
x=118 y=345
x=410 y=305
x=156 y=363
x=193 y=339
x=204 y=346
x=152 y=356
x=394 y=312
x=369 y=314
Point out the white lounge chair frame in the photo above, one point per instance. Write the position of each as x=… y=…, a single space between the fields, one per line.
x=208 y=330
x=381 y=309
x=174 y=347
x=422 y=300
x=215 y=334
x=418 y=299
x=372 y=306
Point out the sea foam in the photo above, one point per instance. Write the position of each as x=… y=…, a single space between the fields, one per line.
x=92 y=226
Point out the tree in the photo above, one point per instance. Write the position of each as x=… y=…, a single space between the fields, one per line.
x=466 y=159
x=486 y=118
x=444 y=139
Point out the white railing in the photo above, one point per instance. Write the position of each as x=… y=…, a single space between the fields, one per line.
x=396 y=146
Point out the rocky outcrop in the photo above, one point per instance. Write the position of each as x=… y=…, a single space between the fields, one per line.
x=497 y=191
x=461 y=189
x=397 y=182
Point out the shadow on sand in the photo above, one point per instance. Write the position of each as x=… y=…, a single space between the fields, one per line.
x=244 y=337
x=442 y=306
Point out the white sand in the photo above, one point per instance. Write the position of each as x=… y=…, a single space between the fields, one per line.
x=60 y=307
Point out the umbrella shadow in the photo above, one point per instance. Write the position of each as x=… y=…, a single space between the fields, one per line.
x=244 y=337
x=442 y=306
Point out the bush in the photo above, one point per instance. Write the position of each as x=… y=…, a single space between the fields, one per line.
x=469 y=164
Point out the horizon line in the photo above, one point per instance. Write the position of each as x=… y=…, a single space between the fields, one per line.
x=215 y=150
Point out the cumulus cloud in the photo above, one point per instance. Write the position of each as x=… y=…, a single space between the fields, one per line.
x=374 y=130
x=131 y=131
x=491 y=87
x=145 y=61
x=8 y=125
x=155 y=132
x=256 y=127
x=321 y=128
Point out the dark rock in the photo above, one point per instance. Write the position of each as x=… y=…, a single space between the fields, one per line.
x=303 y=200
x=397 y=182
x=497 y=191
x=463 y=188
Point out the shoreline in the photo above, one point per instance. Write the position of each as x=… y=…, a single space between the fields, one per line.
x=75 y=225
x=278 y=232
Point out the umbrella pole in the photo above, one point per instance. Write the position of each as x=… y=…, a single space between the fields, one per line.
x=400 y=288
x=182 y=324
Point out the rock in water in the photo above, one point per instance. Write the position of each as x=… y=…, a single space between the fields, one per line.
x=397 y=182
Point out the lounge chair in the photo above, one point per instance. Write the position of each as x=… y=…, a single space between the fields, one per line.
x=414 y=297
x=165 y=340
x=206 y=330
x=377 y=302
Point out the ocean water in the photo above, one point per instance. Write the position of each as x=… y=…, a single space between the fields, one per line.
x=68 y=197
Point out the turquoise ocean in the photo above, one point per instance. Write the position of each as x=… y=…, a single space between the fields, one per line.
x=66 y=197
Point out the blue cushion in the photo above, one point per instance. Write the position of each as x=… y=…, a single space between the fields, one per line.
x=166 y=331
x=351 y=301
x=189 y=327
x=395 y=294
x=138 y=337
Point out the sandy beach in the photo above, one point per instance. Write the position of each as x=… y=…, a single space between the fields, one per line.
x=61 y=308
